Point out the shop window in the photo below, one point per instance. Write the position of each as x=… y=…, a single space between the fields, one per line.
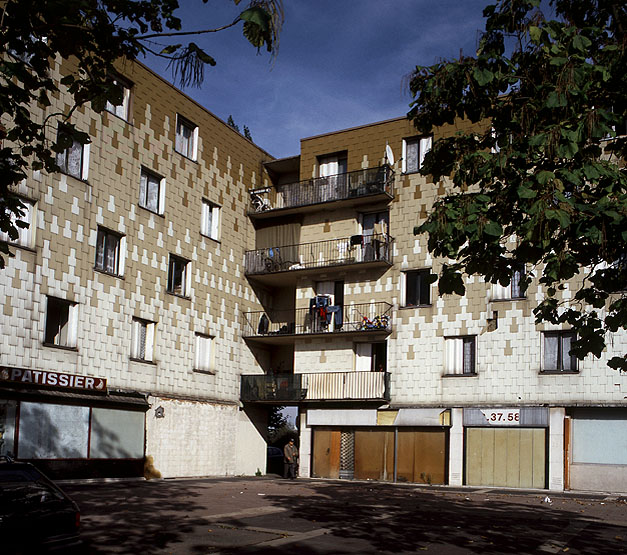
x=186 y=138
x=556 y=354
x=151 y=191
x=178 y=276
x=142 y=340
x=60 y=323
x=109 y=252
x=460 y=355
x=414 y=152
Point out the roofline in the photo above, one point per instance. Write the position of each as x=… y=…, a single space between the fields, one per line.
x=354 y=128
x=205 y=109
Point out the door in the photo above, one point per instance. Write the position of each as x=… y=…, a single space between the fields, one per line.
x=332 y=167
x=374 y=454
x=509 y=457
x=422 y=456
x=375 y=229
x=326 y=453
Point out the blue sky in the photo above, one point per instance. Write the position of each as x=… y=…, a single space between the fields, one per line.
x=341 y=63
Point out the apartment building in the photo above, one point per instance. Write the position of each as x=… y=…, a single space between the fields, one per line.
x=121 y=308
x=177 y=281
x=392 y=381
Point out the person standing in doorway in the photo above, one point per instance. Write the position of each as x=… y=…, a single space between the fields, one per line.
x=290 y=459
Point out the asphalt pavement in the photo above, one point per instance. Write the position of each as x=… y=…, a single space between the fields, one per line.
x=270 y=515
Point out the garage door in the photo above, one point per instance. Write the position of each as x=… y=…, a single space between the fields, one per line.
x=513 y=458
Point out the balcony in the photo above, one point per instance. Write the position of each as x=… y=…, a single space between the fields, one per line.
x=351 y=188
x=318 y=386
x=365 y=250
x=282 y=326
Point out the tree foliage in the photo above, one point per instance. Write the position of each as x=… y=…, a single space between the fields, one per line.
x=540 y=179
x=95 y=34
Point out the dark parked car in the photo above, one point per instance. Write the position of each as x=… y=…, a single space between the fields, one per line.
x=35 y=515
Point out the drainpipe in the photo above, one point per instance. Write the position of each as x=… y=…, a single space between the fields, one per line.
x=395 y=452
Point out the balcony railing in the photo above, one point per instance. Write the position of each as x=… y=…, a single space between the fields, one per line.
x=319 y=386
x=343 y=186
x=363 y=317
x=321 y=254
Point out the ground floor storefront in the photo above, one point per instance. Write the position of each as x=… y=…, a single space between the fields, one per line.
x=553 y=448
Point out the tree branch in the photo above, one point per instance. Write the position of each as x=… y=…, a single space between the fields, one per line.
x=182 y=33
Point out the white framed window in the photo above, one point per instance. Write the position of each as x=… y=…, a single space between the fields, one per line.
x=74 y=160
x=210 y=220
x=186 y=138
x=513 y=290
x=414 y=151
x=179 y=276
x=110 y=252
x=204 y=353
x=61 y=322
x=151 y=191
x=556 y=353
x=460 y=356
x=417 y=288
x=121 y=110
x=142 y=340
x=25 y=235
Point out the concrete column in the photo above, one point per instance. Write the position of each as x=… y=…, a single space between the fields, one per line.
x=456 y=448
x=304 y=447
x=556 y=448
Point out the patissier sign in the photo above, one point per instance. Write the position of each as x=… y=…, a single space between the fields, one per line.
x=56 y=379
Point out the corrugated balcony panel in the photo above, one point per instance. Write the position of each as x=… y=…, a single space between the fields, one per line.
x=354 y=318
x=321 y=254
x=344 y=186
x=345 y=386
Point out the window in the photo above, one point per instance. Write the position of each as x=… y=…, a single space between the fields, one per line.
x=414 y=151
x=121 y=110
x=60 y=323
x=418 y=287
x=25 y=235
x=514 y=289
x=74 y=159
x=186 y=138
x=142 y=340
x=178 y=276
x=210 y=220
x=460 y=355
x=108 y=252
x=204 y=353
x=151 y=191
x=557 y=357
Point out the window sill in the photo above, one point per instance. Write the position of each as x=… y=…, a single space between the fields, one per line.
x=143 y=361
x=118 y=276
x=18 y=246
x=161 y=215
x=467 y=375
x=178 y=295
x=508 y=299
x=206 y=372
x=210 y=238
x=558 y=372
x=410 y=306
x=61 y=347
x=411 y=172
x=186 y=157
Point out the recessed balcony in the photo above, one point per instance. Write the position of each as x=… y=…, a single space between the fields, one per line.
x=363 y=250
x=350 y=188
x=316 y=386
x=283 y=326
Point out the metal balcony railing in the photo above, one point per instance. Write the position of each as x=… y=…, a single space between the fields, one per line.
x=343 y=186
x=318 y=386
x=320 y=254
x=366 y=317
